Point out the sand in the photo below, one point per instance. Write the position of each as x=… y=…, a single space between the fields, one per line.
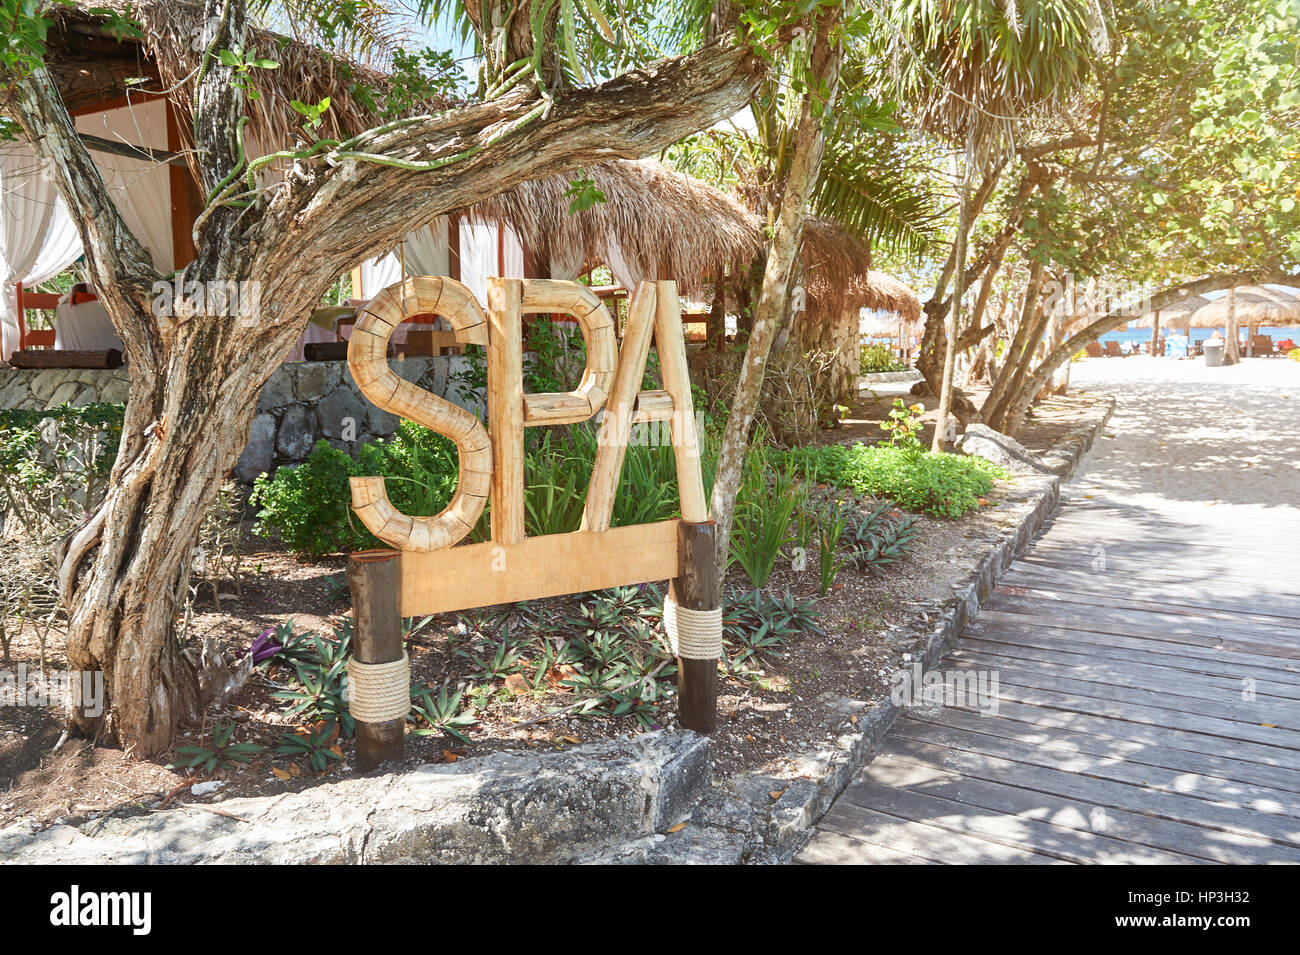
x=1213 y=453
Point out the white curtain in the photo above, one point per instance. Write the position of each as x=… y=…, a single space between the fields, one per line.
x=567 y=264
x=140 y=188
x=480 y=255
x=426 y=250
x=627 y=272
x=377 y=274
x=37 y=236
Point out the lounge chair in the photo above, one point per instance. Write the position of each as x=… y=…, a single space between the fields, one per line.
x=1113 y=350
x=1262 y=345
x=1093 y=349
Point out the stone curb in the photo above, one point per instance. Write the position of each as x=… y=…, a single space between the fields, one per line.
x=822 y=774
x=883 y=377
x=508 y=807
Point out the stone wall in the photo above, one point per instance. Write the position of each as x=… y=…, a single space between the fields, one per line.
x=300 y=404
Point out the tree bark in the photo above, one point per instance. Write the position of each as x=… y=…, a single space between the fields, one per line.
x=781 y=260
x=196 y=374
x=940 y=440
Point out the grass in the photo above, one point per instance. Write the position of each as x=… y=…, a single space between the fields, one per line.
x=946 y=485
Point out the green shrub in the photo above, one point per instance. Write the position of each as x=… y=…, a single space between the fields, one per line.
x=879 y=357
x=308 y=506
x=56 y=461
x=948 y=485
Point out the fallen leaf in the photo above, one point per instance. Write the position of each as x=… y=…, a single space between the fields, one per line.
x=449 y=756
x=516 y=684
x=294 y=770
x=279 y=773
x=571 y=739
x=776 y=793
x=678 y=828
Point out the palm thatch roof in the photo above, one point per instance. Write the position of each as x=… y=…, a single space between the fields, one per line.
x=672 y=225
x=91 y=66
x=1174 y=316
x=1253 y=305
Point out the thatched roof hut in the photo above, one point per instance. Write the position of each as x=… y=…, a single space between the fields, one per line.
x=670 y=224
x=91 y=66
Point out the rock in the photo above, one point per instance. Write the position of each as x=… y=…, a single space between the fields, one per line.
x=259 y=455
x=1000 y=449
x=380 y=422
x=64 y=393
x=313 y=380
x=297 y=433
x=509 y=807
x=340 y=408
x=277 y=392
x=207 y=788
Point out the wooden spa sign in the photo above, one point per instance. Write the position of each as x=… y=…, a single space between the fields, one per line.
x=436 y=576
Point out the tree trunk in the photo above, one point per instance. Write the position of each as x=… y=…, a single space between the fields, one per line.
x=126 y=573
x=940 y=441
x=781 y=260
x=1018 y=351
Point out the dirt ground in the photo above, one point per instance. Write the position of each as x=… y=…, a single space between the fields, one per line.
x=764 y=718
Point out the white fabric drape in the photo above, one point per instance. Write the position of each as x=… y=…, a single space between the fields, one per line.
x=567 y=264
x=37 y=236
x=140 y=188
x=627 y=272
x=426 y=250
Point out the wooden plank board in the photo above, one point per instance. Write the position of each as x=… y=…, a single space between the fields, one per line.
x=1165 y=690
x=1263 y=580
x=1096 y=620
x=1114 y=601
x=994 y=624
x=1091 y=792
x=831 y=848
x=1124 y=671
x=1113 y=767
x=1210 y=735
x=1195 y=595
x=1016 y=830
x=930 y=842
x=1138 y=828
x=480 y=575
x=1171 y=757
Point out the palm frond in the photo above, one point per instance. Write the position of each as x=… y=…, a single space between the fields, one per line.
x=874 y=204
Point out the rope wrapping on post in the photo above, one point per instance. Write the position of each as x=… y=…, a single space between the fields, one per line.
x=378 y=692
x=694 y=634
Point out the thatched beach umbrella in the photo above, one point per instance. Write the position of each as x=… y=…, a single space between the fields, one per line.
x=1254 y=305
x=1173 y=316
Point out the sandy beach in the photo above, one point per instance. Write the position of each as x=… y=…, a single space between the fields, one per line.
x=1213 y=450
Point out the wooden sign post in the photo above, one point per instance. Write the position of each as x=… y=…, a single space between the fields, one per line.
x=436 y=576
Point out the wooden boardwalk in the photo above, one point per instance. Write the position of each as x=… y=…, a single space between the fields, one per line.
x=1148 y=709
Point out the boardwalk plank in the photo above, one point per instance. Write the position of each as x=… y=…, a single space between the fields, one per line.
x=1140 y=753
x=1140 y=829
x=1090 y=791
x=1107 y=766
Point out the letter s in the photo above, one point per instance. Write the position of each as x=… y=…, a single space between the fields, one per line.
x=368 y=362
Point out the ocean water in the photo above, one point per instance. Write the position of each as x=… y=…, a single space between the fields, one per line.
x=1198 y=334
